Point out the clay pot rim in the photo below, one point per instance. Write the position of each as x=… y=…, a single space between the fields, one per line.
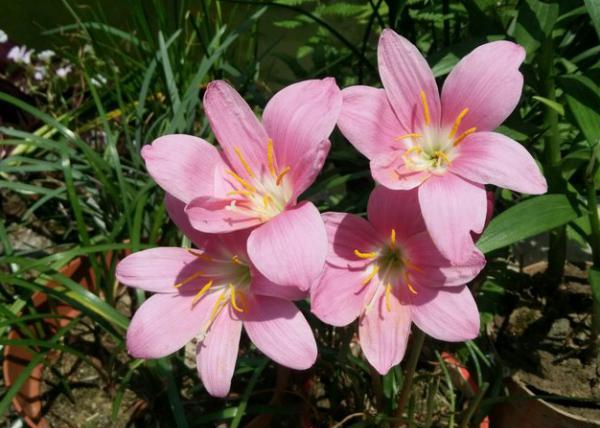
x=523 y=387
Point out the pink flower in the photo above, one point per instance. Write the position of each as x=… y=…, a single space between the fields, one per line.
x=388 y=272
x=209 y=292
x=444 y=146
x=257 y=177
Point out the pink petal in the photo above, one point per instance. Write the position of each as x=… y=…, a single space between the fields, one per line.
x=213 y=215
x=176 y=211
x=299 y=118
x=434 y=270
x=453 y=207
x=383 y=334
x=446 y=313
x=368 y=121
x=290 y=249
x=165 y=323
x=405 y=73
x=236 y=127
x=159 y=269
x=280 y=331
x=261 y=285
x=217 y=353
x=182 y=165
x=346 y=233
x=388 y=169
x=338 y=297
x=492 y=158
x=399 y=210
x=487 y=82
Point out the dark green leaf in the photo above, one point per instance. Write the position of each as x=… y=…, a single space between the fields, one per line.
x=527 y=219
x=583 y=99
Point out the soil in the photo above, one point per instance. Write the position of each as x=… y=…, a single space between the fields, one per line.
x=545 y=340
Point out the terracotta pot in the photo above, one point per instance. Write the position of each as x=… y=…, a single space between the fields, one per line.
x=524 y=411
x=28 y=402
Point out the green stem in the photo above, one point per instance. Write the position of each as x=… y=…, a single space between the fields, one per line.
x=592 y=206
x=411 y=366
x=558 y=239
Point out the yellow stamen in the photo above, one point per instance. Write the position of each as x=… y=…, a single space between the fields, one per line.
x=411 y=288
x=236 y=260
x=371 y=275
x=216 y=308
x=388 y=291
x=362 y=255
x=201 y=256
x=202 y=291
x=393 y=236
x=266 y=200
x=233 y=302
x=416 y=149
x=464 y=135
x=243 y=161
x=411 y=265
x=411 y=135
x=425 y=108
x=243 y=182
x=188 y=279
x=271 y=158
x=441 y=156
x=459 y=119
x=240 y=192
x=282 y=174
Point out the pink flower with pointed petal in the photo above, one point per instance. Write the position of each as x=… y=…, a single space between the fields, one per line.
x=388 y=273
x=444 y=146
x=257 y=177
x=210 y=292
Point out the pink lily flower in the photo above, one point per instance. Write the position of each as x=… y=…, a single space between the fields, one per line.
x=388 y=273
x=255 y=180
x=210 y=292
x=444 y=146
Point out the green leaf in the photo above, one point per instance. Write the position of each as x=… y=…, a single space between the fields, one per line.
x=583 y=99
x=535 y=23
x=552 y=104
x=593 y=8
x=527 y=219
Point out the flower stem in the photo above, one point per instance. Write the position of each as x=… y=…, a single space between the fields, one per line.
x=411 y=365
x=592 y=206
x=557 y=251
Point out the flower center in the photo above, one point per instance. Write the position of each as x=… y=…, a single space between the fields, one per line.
x=433 y=149
x=392 y=268
x=262 y=196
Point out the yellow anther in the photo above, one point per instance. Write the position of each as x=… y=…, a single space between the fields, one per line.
x=216 y=308
x=233 y=302
x=201 y=256
x=240 y=192
x=266 y=200
x=243 y=182
x=388 y=291
x=362 y=255
x=282 y=174
x=371 y=275
x=425 y=108
x=464 y=135
x=236 y=260
x=243 y=161
x=393 y=236
x=459 y=119
x=441 y=156
x=416 y=149
x=411 y=135
x=411 y=288
x=189 y=278
x=202 y=292
x=271 y=158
